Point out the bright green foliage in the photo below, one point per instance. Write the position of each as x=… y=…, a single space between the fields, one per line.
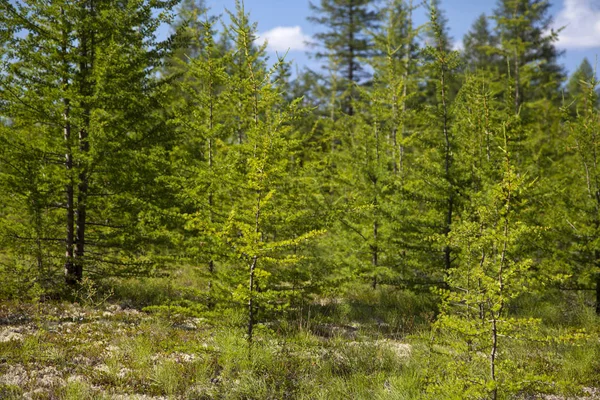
x=237 y=179
x=260 y=227
x=492 y=267
x=581 y=201
x=198 y=162
x=437 y=37
x=437 y=179
x=438 y=34
x=403 y=226
x=191 y=19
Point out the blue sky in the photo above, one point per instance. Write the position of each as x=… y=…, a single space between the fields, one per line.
x=284 y=24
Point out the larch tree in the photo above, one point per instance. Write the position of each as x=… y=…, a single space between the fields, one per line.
x=198 y=160
x=438 y=143
x=582 y=199
x=493 y=263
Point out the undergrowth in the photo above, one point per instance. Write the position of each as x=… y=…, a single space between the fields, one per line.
x=362 y=344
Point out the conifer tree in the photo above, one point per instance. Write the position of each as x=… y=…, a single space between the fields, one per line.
x=437 y=36
x=582 y=201
x=480 y=46
x=198 y=159
x=256 y=227
x=66 y=80
x=492 y=263
x=345 y=41
x=527 y=46
x=577 y=88
x=237 y=177
x=437 y=161
x=437 y=33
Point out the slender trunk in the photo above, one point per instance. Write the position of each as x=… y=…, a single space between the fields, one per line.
x=351 y=67
x=597 y=280
x=251 y=299
x=493 y=355
x=517 y=83
x=405 y=76
x=71 y=275
x=211 y=263
x=496 y=315
x=375 y=253
x=82 y=193
x=447 y=166
x=87 y=57
x=598 y=287
x=396 y=152
x=251 y=305
x=375 y=247
x=252 y=269
x=38 y=237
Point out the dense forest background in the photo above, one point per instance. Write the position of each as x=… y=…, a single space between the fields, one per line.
x=463 y=184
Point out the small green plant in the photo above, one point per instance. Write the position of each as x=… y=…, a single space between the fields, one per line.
x=78 y=390
x=167 y=377
x=88 y=295
x=10 y=392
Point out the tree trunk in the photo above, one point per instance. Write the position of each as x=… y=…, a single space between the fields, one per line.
x=597 y=281
x=447 y=166
x=351 y=67
x=598 y=293
x=71 y=275
x=251 y=300
x=81 y=207
x=493 y=355
x=375 y=254
x=86 y=43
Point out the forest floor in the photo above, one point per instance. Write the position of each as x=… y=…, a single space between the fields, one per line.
x=66 y=351
x=112 y=351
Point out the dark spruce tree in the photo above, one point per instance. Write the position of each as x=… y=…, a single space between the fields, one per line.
x=344 y=41
x=480 y=46
x=79 y=79
x=577 y=88
x=530 y=58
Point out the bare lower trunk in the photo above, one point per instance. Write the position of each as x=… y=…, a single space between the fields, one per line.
x=81 y=209
x=493 y=355
x=597 y=281
x=375 y=254
x=598 y=293
x=251 y=300
x=447 y=166
x=86 y=47
x=71 y=275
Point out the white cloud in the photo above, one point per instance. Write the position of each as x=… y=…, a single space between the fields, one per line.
x=284 y=38
x=581 y=19
x=458 y=45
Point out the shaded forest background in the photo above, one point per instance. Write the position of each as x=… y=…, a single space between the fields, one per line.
x=468 y=180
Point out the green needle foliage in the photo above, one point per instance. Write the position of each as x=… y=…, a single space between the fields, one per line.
x=492 y=266
x=582 y=205
x=83 y=106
